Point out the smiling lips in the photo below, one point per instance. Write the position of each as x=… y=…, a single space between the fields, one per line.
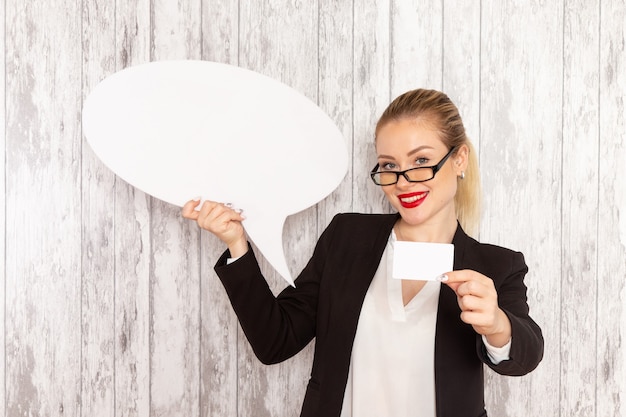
x=412 y=200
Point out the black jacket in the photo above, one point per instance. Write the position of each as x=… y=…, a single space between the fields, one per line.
x=326 y=303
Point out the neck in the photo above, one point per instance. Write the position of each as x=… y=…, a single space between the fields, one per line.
x=432 y=233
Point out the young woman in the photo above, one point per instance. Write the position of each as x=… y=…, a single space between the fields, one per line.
x=383 y=346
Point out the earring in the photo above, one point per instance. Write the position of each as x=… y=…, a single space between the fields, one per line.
x=462 y=176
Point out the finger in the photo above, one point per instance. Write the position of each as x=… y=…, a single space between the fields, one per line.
x=217 y=218
x=468 y=282
x=474 y=318
x=453 y=280
x=471 y=288
x=208 y=214
x=237 y=213
x=213 y=210
x=459 y=276
x=207 y=207
x=471 y=303
x=233 y=215
x=226 y=222
x=189 y=211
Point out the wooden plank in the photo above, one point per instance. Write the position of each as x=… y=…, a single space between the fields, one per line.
x=219 y=338
x=133 y=247
x=610 y=383
x=416 y=45
x=218 y=355
x=176 y=29
x=279 y=39
x=43 y=215
x=335 y=92
x=372 y=94
x=580 y=201
x=220 y=31
x=3 y=231
x=132 y=301
x=461 y=62
x=521 y=141
x=98 y=229
x=175 y=328
x=175 y=265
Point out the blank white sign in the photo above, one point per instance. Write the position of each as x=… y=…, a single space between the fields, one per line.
x=184 y=129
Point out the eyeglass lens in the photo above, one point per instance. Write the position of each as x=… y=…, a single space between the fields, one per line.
x=415 y=174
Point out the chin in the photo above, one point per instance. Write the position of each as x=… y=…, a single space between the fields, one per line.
x=411 y=218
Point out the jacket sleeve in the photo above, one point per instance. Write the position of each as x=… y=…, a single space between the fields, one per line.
x=276 y=327
x=526 y=337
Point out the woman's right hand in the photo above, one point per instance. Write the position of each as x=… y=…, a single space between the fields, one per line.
x=221 y=220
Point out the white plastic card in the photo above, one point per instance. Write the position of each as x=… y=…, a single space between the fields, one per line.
x=421 y=261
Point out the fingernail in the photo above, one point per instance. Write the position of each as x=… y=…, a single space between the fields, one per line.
x=229 y=205
x=240 y=212
x=197 y=199
x=442 y=278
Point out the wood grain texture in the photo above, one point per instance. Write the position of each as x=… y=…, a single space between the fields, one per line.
x=175 y=312
x=110 y=305
x=335 y=65
x=461 y=62
x=219 y=338
x=43 y=209
x=132 y=301
x=176 y=29
x=521 y=89
x=610 y=379
x=416 y=45
x=175 y=243
x=580 y=201
x=372 y=93
x=219 y=326
x=98 y=230
x=133 y=246
x=3 y=231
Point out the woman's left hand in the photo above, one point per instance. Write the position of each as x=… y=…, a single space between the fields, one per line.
x=478 y=300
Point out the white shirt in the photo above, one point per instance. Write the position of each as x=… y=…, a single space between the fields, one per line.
x=392 y=366
x=392 y=369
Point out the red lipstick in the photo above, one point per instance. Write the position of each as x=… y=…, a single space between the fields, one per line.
x=412 y=200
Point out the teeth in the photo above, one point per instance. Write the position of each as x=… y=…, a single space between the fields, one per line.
x=412 y=199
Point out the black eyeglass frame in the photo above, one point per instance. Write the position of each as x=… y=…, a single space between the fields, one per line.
x=434 y=168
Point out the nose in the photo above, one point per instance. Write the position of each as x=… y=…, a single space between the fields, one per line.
x=402 y=181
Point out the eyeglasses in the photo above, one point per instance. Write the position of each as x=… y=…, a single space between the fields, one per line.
x=419 y=174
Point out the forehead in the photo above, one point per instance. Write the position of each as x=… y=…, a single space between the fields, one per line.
x=403 y=136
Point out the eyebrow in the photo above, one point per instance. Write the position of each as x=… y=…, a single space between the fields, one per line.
x=412 y=152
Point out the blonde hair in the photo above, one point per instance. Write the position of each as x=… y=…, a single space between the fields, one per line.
x=436 y=108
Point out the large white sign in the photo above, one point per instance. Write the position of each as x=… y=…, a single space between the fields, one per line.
x=182 y=129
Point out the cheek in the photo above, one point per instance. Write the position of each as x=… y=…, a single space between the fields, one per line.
x=388 y=191
x=449 y=189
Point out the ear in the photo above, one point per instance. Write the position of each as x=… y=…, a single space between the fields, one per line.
x=461 y=159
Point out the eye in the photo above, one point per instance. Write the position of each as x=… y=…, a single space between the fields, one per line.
x=388 y=166
x=421 y=161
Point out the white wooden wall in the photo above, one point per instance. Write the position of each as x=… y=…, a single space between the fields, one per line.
x=109 y=304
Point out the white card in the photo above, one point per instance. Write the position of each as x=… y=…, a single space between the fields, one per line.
x=421 y=261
